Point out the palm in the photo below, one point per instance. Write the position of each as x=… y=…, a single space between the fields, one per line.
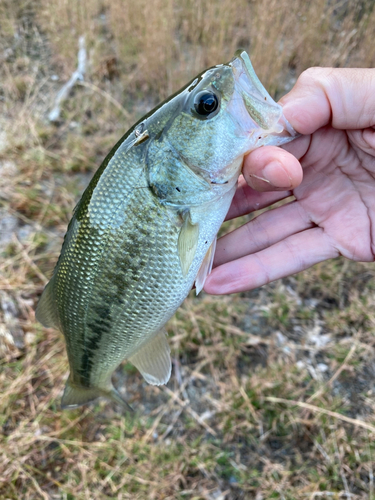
x=337 y=192
x=333 y=214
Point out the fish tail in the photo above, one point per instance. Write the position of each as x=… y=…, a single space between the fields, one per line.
x=75 y=396
x=115 y=396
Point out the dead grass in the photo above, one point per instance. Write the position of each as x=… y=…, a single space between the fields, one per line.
x=272 y=393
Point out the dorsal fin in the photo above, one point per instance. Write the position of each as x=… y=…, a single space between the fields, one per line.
x=46 y=311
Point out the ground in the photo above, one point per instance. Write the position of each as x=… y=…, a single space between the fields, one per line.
x=272 y=393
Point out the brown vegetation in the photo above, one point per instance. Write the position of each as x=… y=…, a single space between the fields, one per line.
x=272 y=393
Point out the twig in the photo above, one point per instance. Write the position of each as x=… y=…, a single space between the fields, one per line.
x=171 y=425
x=30 y=262
x=107 y=96
x=343 y=478
x=42 y=493
x=63 y=93
x=167 y=407
x=320 y=391
x=333 y=414
x=195 y=415
x=35 y=225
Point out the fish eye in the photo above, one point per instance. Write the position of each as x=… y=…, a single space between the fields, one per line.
x=206 y=103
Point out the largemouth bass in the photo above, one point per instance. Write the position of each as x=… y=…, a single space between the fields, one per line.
x=145 y=228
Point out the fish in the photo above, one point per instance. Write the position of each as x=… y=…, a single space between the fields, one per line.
x=145 y=228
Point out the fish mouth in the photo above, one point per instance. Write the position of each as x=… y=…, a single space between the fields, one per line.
x=252 y=106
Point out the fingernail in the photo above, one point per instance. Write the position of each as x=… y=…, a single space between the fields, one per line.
x=276 y=175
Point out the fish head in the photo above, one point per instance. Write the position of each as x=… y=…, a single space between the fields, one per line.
x=226 y=113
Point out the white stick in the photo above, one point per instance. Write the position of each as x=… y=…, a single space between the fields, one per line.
x=78 y=75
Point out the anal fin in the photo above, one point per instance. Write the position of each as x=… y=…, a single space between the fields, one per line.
x=206 y=267
x=153 y=360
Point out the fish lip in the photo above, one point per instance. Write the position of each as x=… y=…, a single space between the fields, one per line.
x=264 y=111
x=265 y=114
x=241 y=63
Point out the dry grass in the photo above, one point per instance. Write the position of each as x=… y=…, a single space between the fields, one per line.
x=272 y=393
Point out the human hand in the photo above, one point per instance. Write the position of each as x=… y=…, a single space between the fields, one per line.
x=334 y=208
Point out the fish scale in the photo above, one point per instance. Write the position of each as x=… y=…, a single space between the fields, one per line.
x=147 y=285
x=145 y=228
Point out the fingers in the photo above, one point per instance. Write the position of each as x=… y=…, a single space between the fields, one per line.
x=342 y=97
x=247 y=200
x=292 y=255
x=272 y=168
x=265 y=230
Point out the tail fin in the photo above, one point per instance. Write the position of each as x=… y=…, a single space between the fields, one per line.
x=46 y=311
x=75 y=396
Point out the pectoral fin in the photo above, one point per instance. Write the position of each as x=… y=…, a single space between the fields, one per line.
x=187 y=243
x=206 y=267
x=153 y=360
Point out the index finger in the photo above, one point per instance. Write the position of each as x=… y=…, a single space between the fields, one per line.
x=342 y=97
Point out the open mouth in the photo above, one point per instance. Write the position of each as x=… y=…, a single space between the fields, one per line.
x=252 y=106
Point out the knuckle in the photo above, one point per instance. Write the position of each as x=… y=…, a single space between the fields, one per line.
x=311 y=77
